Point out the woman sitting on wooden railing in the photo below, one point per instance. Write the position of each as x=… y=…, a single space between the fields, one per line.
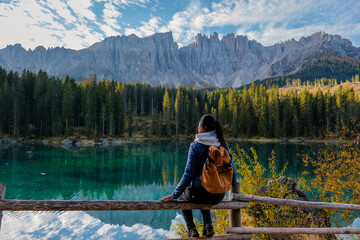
x=190 y=187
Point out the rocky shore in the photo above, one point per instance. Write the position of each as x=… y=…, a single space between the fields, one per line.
x=6 y=142
x=67 y=142
x=76 y=141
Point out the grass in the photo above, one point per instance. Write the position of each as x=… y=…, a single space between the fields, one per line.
x=314 y=89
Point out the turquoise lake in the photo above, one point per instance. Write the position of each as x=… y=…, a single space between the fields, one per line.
x=137 y=171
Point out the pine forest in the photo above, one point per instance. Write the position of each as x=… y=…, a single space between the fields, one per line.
x=34 y=104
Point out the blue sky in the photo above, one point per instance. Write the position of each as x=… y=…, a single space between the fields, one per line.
x=77 y=24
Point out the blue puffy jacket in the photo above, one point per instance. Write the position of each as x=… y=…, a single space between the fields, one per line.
x=196 y=158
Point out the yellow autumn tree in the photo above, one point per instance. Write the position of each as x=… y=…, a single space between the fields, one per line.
x=167 y=112
x=337 y=171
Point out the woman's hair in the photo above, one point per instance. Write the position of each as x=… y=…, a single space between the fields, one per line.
x=210 y=123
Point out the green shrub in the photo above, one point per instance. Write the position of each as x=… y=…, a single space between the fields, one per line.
x=251 y=175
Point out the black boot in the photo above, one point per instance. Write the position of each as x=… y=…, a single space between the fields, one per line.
x=193 y=232
x=188 y=217
x=208 y=230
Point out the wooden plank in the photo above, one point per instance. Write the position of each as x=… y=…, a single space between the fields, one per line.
x=2 y=196
x=296 y=203
x=250 y=230
x=235 y=214
x=225 y=237
x=70 y=205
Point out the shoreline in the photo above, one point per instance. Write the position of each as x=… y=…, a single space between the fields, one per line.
x=106 y=141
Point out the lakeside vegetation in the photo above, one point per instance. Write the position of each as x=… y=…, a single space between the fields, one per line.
x=36 y=105
x=334 y=178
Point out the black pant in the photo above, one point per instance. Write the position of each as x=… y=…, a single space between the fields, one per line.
x=199 y=195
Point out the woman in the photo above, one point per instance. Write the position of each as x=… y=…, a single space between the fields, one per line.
x=190 y=188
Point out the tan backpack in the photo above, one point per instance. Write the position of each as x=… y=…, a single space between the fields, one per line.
x=217 y=171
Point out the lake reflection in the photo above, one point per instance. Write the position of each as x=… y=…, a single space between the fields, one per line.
x=142 y=171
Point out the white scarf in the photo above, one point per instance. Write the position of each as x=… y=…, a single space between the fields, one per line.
x=207 y=139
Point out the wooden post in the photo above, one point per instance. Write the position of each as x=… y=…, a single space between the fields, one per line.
x=235 y=214
x=2 y=197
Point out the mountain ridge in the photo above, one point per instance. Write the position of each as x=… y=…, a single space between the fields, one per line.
x=332 y=68
x=231 y=61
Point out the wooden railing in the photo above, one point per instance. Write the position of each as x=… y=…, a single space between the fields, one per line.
x=293 y=203
x=237 y=202
x=72 y=205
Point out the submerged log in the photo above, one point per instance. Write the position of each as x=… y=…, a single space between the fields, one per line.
x=71 y=205
x=251 y=230
x=296 y=203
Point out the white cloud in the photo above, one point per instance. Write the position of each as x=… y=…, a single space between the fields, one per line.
x=53 y=23
x=33 y=24
x=265 y=20
x=186 y=24
x=73 y=24
x=255 y=12
x=140 y=3
x=148 y=28
x=82 y=8
x=61 y=9
x=109 y=31
x=272 y=35
x=110 y=11
x=110 y=16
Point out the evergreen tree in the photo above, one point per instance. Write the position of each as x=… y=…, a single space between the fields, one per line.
x=40 y=102
x=328 y=111
x=167 y=112
x=53 y=121
x=319 y=117
x=195 y=115
x=130 y=127
x=5 y=107
x=68 y=104
x=222 y=109
x=36 y=104
x=120 y=94
x=306 y=113
x=213 y=111
x=111 y=105
x=90 y=110
x=188 y=112
x=206 y=109
x=356 y=78
x=154 y=122
x=178 y=109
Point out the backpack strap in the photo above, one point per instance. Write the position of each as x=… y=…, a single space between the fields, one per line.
x=228 y=167
x=208 y=159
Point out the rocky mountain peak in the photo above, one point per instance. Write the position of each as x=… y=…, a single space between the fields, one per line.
x=39 y=49
x=214 y=36
x=230 y=62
